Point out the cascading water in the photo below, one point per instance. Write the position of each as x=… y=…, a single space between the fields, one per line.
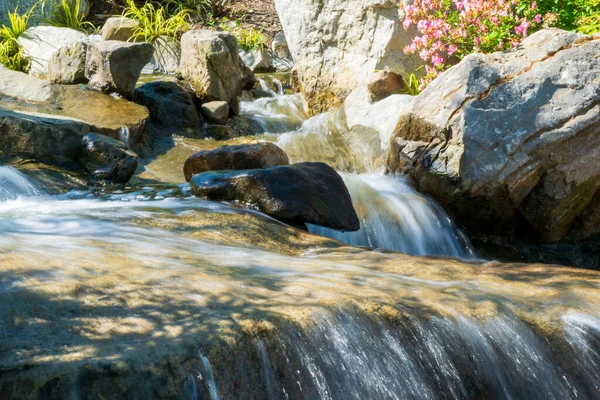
x=395 y=217
x=13 y=184
x=148 y=292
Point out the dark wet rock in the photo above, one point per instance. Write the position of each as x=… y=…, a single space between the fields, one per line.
x=239 y=157
x=107 y=159
x=300 y=193
x=47 y=138
x=115 y=67
x=119 y=28
x=211 y=64
x=216 y=112
x=221 y=132
x=243 y=126
x=67 y=65
x=510 y=142
x=169 y=104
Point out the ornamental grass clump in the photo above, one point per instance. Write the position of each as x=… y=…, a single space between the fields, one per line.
x=11 y=53
x=154 y=21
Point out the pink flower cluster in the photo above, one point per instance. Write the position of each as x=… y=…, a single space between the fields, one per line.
x=447 y=30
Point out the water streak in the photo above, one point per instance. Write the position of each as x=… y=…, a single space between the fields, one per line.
x=396 y=217
x=14 y=184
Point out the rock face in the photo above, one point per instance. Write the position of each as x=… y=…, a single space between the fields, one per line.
x=46 y=122
x=22 y=86
x=512 y=140
x=48 y=138
x=280 y=47
x=41 y=42
x=212 y=65
x=301 y=193
x=360 y=109
x=216 y=112
x=167 y=55
x=239 y=157
x=119 y=28
x=169 y=104
x=115 y=66
x=337 y=44
x=67 y=65
x=107 y=159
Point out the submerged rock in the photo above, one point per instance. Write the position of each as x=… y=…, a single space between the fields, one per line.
x=300 y=193
x=39 y=44
x=512 y=140
x=67 y=65
x=107 y=159
x=213 y=67
x=239 y=157
x=221 y=132
x=169 y=104
x=337 y=44
x=114 y=66
x=119 y=28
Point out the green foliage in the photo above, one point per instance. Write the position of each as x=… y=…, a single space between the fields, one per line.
x=571 y=15
x=412 y=84
x=197 y=8
x=154 y=21
x=11 y=54
x=67 y=14
x=249 y=39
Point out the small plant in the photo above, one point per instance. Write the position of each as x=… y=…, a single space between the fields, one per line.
x=249 y=39
x=197 y=8
x=412 y=84
x=67 y=14
x=153 y=21
x=11 y=54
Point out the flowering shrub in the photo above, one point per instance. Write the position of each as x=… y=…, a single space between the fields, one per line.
x=448 y=30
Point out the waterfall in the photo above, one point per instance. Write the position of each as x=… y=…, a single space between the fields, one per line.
x=14 y=184
x=396 y=217
x=347 y=356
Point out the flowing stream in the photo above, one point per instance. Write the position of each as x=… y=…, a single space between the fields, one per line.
x=148 y=292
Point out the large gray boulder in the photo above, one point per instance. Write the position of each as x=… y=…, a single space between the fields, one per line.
x=337 y=44
x=169 y=104
x=67 y=65
x=211 y=64
x=115 y=67
x=511 y=141
x=107 y=159
x=243 y=156
x=296 y=194
x=39 y=44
